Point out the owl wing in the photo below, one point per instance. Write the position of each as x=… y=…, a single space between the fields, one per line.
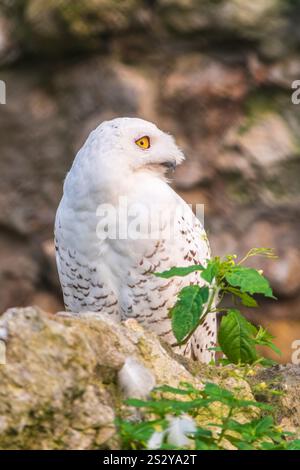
x=84 y=287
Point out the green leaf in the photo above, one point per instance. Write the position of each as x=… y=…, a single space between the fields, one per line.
x=179 y=271
x=214 y=393
x=249 y=280
x=264 y=338
x=266 y=362
x=244 y=446
x=169 y=389
x=204 y=293
x=273 y=446
x=218 y=393
x=203 y=433
x=294 y=445
x=236 y=338
x=201 y=445
x=187 y=311
x=164 y=406
x=246 y=299
x=138 y=433
x=253 y=430
x=209 y=273
x=263 y=425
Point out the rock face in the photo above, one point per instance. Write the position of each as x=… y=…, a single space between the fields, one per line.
x=59 y=386
x=285 y=379
x=217 y=75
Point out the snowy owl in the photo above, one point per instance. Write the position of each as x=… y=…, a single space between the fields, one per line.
x=103 y=267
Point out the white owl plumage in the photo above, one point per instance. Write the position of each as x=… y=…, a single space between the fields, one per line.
x=115 y=274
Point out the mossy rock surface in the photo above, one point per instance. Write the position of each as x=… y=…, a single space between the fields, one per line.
x=59 y=386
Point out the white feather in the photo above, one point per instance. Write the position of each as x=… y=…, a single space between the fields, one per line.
x=135 y=380
x=156 y=440
x=176 y=434
x=179 y=429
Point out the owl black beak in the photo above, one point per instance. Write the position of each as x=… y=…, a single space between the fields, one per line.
x=170 y=165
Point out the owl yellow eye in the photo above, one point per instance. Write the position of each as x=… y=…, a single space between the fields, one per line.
x=143 y=142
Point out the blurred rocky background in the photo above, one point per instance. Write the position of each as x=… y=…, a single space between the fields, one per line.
x=217 y=74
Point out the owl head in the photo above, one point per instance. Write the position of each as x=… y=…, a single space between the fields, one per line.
x=133 y=144
x=118 y=151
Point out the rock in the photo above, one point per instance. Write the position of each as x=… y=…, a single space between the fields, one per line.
x=199 y=75
x=282 y=272
x=56 y=28
x=266 y=22
x=206 y=94
x=285 y=379
x=232 y=15
x=172 y=62
x=59 y=384
x=267 y=142
x=47 y=301
x=281 y=73
x=285 y=274
x=275 y=314
x=49 y=253
x=84 y=27
x=19 y=270
x=224 y=244
x=8 y=47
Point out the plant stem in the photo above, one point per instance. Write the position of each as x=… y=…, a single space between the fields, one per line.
x=225 y=422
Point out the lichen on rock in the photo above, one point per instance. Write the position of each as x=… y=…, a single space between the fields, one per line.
x=59 y=386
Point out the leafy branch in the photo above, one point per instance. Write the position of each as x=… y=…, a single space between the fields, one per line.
x=237 y=337
x=173 y=424
x=173 y=411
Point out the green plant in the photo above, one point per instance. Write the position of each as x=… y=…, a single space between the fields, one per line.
x=238 y=338
x=226 y=430
x=173 y=412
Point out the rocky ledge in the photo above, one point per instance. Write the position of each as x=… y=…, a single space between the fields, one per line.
x=61 y=386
